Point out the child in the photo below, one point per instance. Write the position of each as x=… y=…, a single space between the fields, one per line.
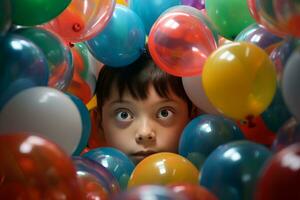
x=142 y=109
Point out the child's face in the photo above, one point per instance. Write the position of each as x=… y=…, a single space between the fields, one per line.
x=143 y=127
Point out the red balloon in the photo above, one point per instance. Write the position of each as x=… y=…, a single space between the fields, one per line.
x=281 y=176
x=32 y=167
x=193 y=192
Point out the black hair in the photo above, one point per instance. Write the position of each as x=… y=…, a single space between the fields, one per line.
x=136 y=78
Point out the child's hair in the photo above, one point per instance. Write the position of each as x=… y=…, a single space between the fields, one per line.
x=136 y=78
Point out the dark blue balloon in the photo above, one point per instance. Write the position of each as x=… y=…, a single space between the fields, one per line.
x=204 y=134
x=115 y=161
x=22 y=65
x=122 y=41
x=232 y=170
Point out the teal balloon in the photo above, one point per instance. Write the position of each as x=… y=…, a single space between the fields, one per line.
x=5 y=16
x=57 y=53
x=204 y=134
x=233 y=169
x=35 y=12
x=115 y=161
x=122 y=41
x=22 y=65
x=149 y=11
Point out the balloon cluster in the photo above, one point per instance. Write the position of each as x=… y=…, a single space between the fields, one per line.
x=238 y=61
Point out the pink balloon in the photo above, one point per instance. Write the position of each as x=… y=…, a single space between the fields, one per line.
x=82 y=19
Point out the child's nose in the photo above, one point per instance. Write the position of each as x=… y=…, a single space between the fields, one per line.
x=145 y=133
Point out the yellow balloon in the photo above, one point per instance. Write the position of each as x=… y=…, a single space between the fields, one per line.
x=123 y=2
x=162 y=169
x=239 y=79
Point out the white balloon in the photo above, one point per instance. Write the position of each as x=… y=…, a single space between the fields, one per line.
x=195 y=91
x=45 y=111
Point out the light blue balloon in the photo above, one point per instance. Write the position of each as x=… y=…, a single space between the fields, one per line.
x=122 y=41
x=115 y=161
x=149 y=11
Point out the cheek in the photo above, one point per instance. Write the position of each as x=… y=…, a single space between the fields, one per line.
x=168 y=139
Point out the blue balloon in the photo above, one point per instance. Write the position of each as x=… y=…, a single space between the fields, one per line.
x=232 y=170
x=146 y=192
x=204 y=134
x=149 y=11
x=115 y=161
x=122 y=41
x=22 y=65
x=86 y=124
x=86 y=167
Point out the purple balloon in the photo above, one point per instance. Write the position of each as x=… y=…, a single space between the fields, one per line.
x=200 y=4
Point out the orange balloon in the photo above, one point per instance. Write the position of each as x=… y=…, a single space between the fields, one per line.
x=162 y=169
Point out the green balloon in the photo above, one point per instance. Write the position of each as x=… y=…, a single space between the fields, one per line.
x=229 y=16
x=5 y=16
x=35 y=12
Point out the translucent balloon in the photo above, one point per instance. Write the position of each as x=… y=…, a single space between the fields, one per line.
x=200 y=4
x=204 y=134
x=46 y=111
x=192 y=191
x=97 y=182
x=239 y=79
x=230 y=16
x=149 y=11
x=194 y=89
x=122 y=41
x=29 y=12
x=281 y=175
x=181 y=40
x=115 y=161
x=291 y=83
x=146 y=192
x=33 y=167
x=5 y=16
x=57 y=54
x=82 y=19
x=260 y=36
x=232 y=170
x=22 y=65
x=162 y=169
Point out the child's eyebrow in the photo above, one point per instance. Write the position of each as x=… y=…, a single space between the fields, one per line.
x=119 y=101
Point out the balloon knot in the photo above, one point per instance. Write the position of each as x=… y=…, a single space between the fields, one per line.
x=76 y=27
x=250 y=120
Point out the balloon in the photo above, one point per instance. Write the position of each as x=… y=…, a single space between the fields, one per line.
x=230 y=16
x=162 y=169
x=181 y=40
x=96 y=138
x=123 y=2
x=232 y=170
x=122 y=41
x=204 y=134
x=260 y=36
x=34 y=12
x=96 y=181
x=192 y=191
x=288 y=134
x=56 y=52
x=147 y=192
x=46 y=111
x=5 y=16
x=33 y=167
x=281 y=175
x=200 y=4
x=239 y=79
x=82 y=19
x=115 y=161
x=22 y=65
x=85 y=122
x=291 y=83
x=194 y=89
x=149 y=11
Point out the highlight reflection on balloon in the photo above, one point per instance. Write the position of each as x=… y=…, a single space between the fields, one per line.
x=82 y=19
x=33 y=167
x=162 y=169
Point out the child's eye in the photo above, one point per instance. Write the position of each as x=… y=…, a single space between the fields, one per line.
x=164 y=113
x=124 y=115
